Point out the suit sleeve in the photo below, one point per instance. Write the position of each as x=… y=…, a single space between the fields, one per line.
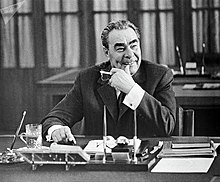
x=159 y=109
x=68 y=111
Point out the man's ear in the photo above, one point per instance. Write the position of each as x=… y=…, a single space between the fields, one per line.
x=106 y=51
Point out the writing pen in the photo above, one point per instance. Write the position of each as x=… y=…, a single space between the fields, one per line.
x=18 y=130
x=110 y=73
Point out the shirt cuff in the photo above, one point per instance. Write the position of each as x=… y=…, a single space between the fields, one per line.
x=134 y=97
x=50 y=131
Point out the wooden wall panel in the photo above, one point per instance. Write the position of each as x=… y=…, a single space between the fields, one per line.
x=18 y=90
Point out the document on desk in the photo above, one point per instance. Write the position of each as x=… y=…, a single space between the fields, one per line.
x=96 y=146
x=187 y=149
x=183 y=165
x=202 y=86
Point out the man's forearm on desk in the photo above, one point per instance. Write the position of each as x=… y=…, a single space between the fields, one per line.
x=49 y=122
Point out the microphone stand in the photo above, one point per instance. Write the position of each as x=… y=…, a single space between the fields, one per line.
x=203 y=59
x=180 y=60
x=104 y=133
x=135 y=137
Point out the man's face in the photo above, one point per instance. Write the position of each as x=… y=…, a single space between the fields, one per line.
x=124 y=49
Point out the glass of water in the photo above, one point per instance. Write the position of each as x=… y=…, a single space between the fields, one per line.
x=32 y=136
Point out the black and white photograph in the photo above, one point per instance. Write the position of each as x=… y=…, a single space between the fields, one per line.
x=110 y=90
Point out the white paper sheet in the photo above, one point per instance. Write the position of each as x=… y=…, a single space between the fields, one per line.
x=183 y=165
x=96 y=146
x=216 y=145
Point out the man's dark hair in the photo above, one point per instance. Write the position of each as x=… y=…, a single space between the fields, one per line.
x=118 y=25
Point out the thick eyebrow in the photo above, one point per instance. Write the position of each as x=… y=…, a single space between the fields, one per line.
x=123 y=44
x=119 y=45
x=133 y=41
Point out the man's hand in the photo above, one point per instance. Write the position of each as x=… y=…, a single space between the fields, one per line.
x=63 y=133
x=121 y=79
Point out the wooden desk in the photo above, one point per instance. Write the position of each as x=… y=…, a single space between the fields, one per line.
x=22 y=172
x=197 y=97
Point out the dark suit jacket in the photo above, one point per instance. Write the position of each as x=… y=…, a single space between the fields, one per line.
x=89 y=94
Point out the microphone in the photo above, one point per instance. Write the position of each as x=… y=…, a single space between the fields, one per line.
x=18 y=130
x=180 y=60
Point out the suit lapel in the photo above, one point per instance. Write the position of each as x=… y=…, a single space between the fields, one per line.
x=108 y=95
x=140 y=76
x=123 y=108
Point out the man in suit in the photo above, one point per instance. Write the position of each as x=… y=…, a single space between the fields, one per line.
x=145 y=87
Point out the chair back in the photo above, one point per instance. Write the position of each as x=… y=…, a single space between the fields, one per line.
x=184 y=122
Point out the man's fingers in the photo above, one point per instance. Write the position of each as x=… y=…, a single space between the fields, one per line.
x=72 y=138
x=115 y=70
x=127 y=69
x=63 y=133
x=56 y=136
x=69 y=135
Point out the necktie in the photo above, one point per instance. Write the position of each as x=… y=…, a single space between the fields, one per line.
x=120 y=99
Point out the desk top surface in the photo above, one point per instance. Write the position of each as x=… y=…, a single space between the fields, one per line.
x=22 y=171
x=180 y=92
